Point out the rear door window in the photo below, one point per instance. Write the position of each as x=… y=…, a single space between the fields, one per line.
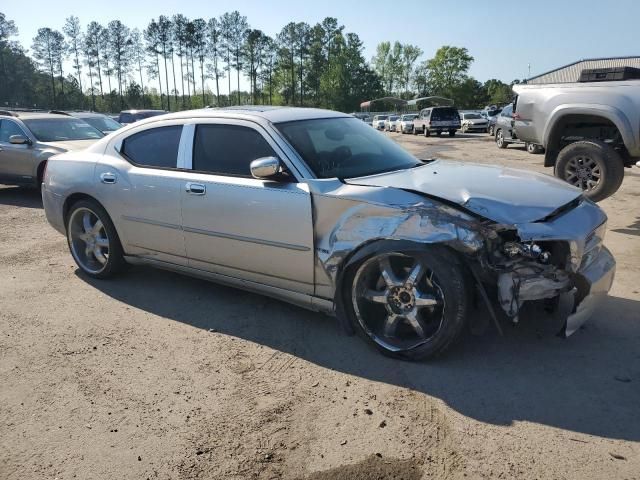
x=228 y=149
x=156 y=147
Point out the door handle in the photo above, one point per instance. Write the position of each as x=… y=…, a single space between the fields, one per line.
x=108 y=177
x=195 y=188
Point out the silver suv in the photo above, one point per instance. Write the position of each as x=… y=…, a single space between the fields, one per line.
x=28 y=139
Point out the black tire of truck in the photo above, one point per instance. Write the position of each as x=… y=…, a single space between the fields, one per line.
x=591 y=157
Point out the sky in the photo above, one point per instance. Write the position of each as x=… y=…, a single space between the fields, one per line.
x=506 y=38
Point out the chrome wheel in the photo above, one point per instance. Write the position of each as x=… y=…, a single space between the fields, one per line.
x=583 y=172
x=398 y=301
x=88 y=240
x=500 y=138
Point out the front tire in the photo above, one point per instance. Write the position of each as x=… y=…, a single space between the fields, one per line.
x=491 y=130
x=593 y=166
x=410 y=305
x=452 y=133
x=93 y=240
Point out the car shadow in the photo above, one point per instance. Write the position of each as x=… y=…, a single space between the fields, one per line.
x=633 y=229
x=588 y=383
x=25 y=197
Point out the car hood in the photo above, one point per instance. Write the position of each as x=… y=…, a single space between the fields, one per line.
x=71 y=145
x=501 y=194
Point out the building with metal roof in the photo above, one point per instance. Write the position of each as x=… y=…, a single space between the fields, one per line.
x=571 y=73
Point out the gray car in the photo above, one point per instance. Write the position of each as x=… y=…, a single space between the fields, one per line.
x=316 y=208
x=28 y=139
x=97 y=120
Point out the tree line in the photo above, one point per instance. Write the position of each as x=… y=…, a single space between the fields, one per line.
x=178 y=63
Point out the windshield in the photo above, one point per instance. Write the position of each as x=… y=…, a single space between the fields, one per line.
x=382 y=117
x=104 y=124
x=62 y=129
x=393 y=119
x=409 y=117
x=472 y=116
x=345 y=148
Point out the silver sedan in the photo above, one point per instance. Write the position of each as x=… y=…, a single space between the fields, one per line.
x=316 y=208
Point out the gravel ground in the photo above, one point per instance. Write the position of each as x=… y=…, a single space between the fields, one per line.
x=155 y=375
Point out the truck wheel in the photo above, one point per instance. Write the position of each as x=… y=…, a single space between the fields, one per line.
x=591 y=165
x=500 y=140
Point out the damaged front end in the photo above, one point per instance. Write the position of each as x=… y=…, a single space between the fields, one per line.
x=560 y=260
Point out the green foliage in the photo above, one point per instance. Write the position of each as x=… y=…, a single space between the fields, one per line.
x=177 y=63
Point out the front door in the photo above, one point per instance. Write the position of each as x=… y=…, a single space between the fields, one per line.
x=240 y=226
x=17 y=163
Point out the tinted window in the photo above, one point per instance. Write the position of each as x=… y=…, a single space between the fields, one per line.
x=157 y=147
x=345 y=148
x=228 y=149
x=8 y=128
x=445 y=114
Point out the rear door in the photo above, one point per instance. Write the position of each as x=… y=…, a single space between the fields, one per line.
x=240 y=226
x=138 y=184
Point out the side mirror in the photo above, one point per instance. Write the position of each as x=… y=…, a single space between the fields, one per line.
x=19 y=140
x=266 y=167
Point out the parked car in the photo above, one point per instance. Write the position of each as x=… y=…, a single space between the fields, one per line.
x=405 y=123
x=437 y=120
x=378 y=121
x=473 y=122
x=28 y=139
x=312 y=207
x=589 y=130
x=390 y=123
x=97 y=120
x=130 y=116
x=506 y=134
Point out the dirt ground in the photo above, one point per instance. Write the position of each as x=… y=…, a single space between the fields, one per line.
x=155 y=375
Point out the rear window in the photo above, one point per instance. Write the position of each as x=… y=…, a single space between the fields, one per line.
x=444 y=114
x=156 y=147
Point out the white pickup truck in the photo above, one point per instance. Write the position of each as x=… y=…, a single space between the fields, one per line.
x=590 y=130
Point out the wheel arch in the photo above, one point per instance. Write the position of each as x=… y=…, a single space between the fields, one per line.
x=606 y=114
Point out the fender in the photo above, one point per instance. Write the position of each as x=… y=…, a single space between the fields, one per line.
x=613 y=114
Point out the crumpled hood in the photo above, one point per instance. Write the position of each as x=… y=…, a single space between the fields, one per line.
x=71 y=145
x=504 y=195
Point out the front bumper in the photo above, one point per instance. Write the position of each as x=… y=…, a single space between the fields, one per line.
x=53 y=209
x=599 y=278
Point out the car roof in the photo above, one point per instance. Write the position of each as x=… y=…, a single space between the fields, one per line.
x=143 y=111
x=269 y=113
x=26 y=115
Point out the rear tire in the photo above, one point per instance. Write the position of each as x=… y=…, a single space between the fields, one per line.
x=593 y=166
x=500 y=142
x=93 y=240
x=452 y=133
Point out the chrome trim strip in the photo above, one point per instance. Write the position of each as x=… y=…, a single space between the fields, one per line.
x=288 y=246
x=151 y=222
x=270 y=243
